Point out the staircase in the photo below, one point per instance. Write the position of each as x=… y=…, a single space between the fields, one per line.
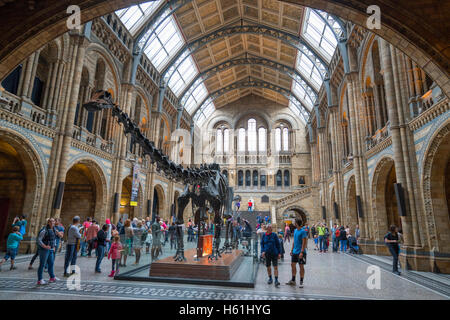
x=293 y=197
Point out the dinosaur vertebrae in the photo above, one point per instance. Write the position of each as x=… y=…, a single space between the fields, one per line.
x=102 y=100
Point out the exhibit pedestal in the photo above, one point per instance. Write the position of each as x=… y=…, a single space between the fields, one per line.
x=192 y=268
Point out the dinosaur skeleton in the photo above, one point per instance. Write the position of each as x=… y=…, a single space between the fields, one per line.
x=205 y=184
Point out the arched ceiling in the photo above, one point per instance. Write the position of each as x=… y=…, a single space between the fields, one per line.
x=201 y=17
x=285 y=45
x=33 y=23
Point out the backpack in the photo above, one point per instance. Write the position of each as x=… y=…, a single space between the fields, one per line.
x=337 y=233
x=37 y=238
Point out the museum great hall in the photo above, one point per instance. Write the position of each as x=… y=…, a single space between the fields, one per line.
x=312 y=109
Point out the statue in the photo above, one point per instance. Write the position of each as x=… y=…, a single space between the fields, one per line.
x=205 y=184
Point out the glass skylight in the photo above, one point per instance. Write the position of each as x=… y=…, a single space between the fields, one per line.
x=183 y=76
x=308 y=70
x=319 y=34
x=204 y=113
x=195 y=98
x=164 y=43
x=133 y=17
x=301 y=93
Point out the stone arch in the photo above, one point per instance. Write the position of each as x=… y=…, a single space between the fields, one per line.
x=84 y=169
x=33 y=169
x=109 y=61
x=125 y=206
x=299 y=212
x=351 y=214
x=332 y=201
x=384 y=170
x=436 y=185
x=176 y=195
x=161 y=207
x=423 y=43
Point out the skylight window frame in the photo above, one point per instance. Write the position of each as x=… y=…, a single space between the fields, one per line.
x=144 y=14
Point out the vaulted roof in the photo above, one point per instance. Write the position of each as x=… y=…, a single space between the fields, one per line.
x=202 y=46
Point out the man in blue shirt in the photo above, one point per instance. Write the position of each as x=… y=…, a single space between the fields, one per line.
x=271 y=252
x=21 y=223
x=298 y=251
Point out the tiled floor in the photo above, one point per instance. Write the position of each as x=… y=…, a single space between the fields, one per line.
x=328 y=276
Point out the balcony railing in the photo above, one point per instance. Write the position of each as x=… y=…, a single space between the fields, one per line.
x=380 y=136
x=83 y=135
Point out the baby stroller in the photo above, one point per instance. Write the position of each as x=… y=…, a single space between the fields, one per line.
x=354 y=248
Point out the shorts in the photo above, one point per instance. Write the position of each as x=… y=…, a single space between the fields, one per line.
x=271 y=259
x=296 y=258
x=10 y=253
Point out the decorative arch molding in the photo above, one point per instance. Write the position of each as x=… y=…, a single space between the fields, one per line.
x=35 y=174
x=434 y=130
x=285 y=117
x=101 y=185
x=252 y=113
x=23 y=134
x=110 y=61
x=432 y=150
x=222 y=119
x=363 y=56
x=162 y=201
x=347 y=182
x=377 y=194
x=296 y=208
x=91 y=162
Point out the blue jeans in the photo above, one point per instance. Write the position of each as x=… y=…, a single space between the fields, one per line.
x=394 y=250
x=100 y=254
x=71 y=256
x=83 y=248
x=335 y=244
x=322 y=243
x=343 y=245
x=46 y=256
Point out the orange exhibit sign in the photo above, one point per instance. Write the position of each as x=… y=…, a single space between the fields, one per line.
x=206 y=242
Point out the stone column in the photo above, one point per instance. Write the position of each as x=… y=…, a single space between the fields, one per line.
x=78 y=45
x=356 y=141
x=29 y=89
x=26 y=75
x=388 y=76
x=125 y=101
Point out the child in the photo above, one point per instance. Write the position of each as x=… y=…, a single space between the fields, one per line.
x=114 y=254
x=148 y=241
x=12 y=245
x=280 y=237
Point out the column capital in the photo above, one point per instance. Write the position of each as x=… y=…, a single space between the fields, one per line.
x=333 y=108
x=351 y=76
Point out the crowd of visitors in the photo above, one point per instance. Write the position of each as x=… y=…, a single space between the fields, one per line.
x=129 y=237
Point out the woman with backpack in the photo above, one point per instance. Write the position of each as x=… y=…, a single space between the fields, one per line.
x=343 y=239
x=392 y=240
x=46 y=242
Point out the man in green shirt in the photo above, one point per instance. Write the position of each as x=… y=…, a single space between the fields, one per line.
x=321 y=231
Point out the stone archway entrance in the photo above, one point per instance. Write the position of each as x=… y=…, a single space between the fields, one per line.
x=384 y=202
x=126 y=206
x=352 y=218
x=436 y=189
x=20 y=185
x=158 y=202
x=291 y=213
x=83 y=193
